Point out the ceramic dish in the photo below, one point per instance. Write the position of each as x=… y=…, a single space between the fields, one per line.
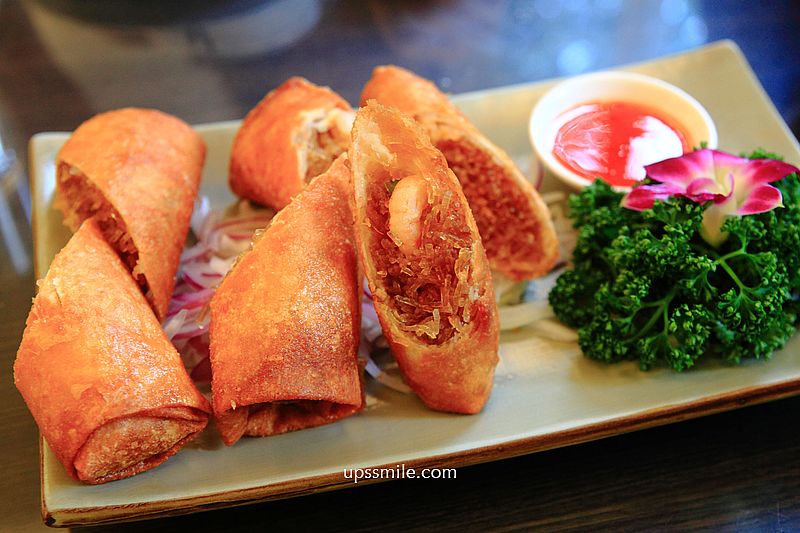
x=630 y=87
x=546 y=393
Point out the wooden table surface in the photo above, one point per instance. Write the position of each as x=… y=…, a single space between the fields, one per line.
x=63 y=61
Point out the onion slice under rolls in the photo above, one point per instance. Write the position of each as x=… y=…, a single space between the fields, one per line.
x=424 y=261
x=107 y=389
x=221 y=237
x=285 y=320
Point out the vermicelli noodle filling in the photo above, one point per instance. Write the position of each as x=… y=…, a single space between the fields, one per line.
x=328 y=136
x=89 y=201
x=427 y=282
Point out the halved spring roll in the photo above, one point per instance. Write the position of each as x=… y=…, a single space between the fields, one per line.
x=137 y=171
x=424 y=261
x=106 y=387
x=285 y=320
x=513 y=221
x=290 y=137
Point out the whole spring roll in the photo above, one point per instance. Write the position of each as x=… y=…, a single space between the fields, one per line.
x=285 y=320
x=290 y=137
x=424 y=261
x=137 y=171
x=513 y=221
x=106 y=387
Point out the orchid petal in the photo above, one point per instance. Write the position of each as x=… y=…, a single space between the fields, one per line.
x=730 y=183
x=755 y=173
x=681 y=171
x=644 y=196
x=724 y=159
x=702 y=190
x=766 y=171
x=761 y=199
x=736 y=186
x=714 y=217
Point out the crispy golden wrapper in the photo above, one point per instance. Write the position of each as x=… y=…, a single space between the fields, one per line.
x=105 y=385
x=424 y=262
x=290 y=137
x=137 y=171
x=513 y=221
x=285 y=320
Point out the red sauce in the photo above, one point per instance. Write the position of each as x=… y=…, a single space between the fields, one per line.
x=615 y=140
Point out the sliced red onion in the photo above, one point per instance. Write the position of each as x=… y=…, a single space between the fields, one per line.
x=382 y=375
x=202 y=208
x=370 y=326
x=173 y=325
x=221 y=237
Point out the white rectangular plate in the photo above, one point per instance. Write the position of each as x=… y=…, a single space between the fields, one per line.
x=546 y=393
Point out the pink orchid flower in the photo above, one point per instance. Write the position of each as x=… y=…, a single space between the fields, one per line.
x=736 y=185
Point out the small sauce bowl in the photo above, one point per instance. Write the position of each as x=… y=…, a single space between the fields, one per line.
x=613 y=86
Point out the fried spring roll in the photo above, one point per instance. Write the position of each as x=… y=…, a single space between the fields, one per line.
x=290 y=137
x=137 y=171
x=424 y=262
x=106 y=387
x=513 y=221
x=285 y=321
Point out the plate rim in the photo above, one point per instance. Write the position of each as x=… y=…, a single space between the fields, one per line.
x=309 y=485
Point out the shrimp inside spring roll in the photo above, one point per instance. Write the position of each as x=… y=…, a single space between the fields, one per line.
x=514 y=223
x=107 y=389
x=424 y=261
x=285 y=320
x=292 y=135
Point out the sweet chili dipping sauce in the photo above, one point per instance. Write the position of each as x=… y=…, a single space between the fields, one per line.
x=615 y=140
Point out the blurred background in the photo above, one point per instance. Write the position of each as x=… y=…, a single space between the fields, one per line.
x=62 y=61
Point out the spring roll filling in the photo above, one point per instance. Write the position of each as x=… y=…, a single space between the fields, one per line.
x=328 y=135
x=429 y=291
x=89 y=202
x=502 y=211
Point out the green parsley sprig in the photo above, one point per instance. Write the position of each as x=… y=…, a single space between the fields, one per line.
x=645 y=286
